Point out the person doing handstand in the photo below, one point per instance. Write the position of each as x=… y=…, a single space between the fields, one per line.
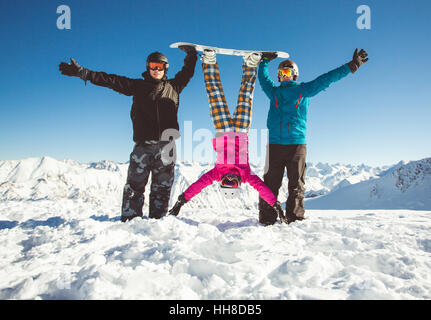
x=232 y=166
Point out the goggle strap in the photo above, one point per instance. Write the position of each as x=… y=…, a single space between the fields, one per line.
x=230 y=187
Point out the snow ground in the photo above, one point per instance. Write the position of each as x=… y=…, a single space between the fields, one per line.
x=72 y=249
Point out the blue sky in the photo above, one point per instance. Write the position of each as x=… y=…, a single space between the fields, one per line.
x=378 y=116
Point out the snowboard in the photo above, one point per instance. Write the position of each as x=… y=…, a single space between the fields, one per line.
x=232 y=52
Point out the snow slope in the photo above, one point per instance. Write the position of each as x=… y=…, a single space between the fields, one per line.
x=69 y=249
x=61 y=238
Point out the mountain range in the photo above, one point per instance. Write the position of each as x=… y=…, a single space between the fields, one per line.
x=328 y=186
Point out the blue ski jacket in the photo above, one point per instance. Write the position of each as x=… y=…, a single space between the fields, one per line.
x=287 y=116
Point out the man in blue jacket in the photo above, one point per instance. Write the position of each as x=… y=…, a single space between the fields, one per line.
x=287 y=119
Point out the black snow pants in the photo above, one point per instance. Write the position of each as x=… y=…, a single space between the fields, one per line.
x=145 y=158
x=292 y=159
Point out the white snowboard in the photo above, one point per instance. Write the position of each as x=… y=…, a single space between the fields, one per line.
x=232 y=52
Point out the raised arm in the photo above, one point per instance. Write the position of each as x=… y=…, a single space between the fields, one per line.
x=117 y=83
x=265 y=81
x=310 y=89
x=183 y=77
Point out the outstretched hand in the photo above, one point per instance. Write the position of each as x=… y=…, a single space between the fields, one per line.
x=188 y=49
x=176 y=209
x=359 y=58
x=71 y=69
x=269 y=55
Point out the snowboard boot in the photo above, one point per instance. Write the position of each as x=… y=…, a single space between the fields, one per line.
x=209 y=57
x=292 y=218
x=267 y=214
x=252 y=60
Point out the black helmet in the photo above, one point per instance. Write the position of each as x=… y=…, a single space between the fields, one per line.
x=158 y=57
x=289 y=64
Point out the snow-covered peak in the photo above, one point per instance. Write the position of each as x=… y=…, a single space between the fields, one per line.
x=48 y=178
x=413 y=174
x=403 y=186
x=104 y=165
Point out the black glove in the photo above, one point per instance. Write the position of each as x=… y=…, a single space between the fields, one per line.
x=359 y=58
x=279 y=210
x=188 y=49
x=73 y=69
x=269 y=55
x=176 y=209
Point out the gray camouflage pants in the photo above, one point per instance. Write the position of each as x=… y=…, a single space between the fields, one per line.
x=145 y=158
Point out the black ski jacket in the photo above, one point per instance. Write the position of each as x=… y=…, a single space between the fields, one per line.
x=155 y=102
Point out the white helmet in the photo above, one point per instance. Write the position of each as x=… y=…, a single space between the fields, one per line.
x=289 y=64
x=230 y=193
x=230 y=185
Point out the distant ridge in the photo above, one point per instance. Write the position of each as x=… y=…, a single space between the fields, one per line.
x=328 y=186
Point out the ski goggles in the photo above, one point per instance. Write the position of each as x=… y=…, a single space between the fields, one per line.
x=230 y=180
x=286 y=72
x=156 y=66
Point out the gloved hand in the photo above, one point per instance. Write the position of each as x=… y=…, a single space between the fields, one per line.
x=73 y=69
x=188 y=49
x=359 y=58
x=176 y=209
x=269 y=55
x=279 y=210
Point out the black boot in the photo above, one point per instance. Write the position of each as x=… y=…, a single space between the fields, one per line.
x=267 y=215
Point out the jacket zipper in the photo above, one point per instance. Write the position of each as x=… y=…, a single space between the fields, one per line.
x=280 y=129
x=296 y=106
x=276 y=106
x=159 y=95
x=158 y=119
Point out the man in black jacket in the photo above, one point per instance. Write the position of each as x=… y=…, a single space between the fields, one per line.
x=155 y=126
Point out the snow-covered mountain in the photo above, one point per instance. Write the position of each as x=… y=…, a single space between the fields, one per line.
x=403 y=186
x=97 y=182
x=50 y=179
x=61 y=238
x=333 y=186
